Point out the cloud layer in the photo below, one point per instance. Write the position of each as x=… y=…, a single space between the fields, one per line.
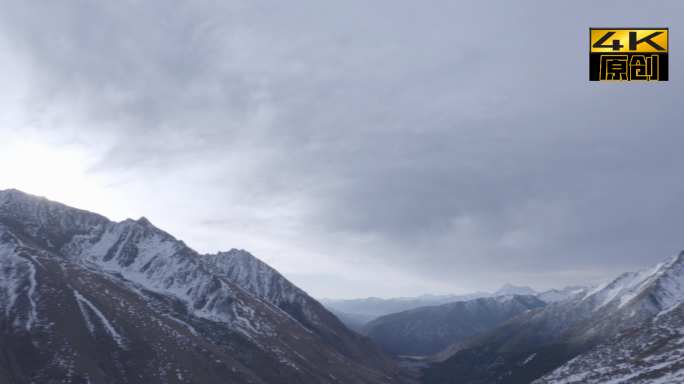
x=400 y=147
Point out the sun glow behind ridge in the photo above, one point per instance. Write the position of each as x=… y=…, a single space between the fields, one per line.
x=41 y=169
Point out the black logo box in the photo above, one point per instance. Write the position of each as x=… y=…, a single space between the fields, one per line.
x=595 y=63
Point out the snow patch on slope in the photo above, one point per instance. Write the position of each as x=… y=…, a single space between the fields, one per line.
x=17 y=284
x=644 y=277
x=33 y=315
x=82 y=301
x=263 y=281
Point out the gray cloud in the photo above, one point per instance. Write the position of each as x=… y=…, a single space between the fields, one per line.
x=456 y=140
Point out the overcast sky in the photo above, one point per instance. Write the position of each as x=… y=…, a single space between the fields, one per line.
x=362 y=148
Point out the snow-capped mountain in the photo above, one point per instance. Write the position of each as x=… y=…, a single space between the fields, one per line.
x=538 y=341
x=651 y=352
x=427 y=330
x=86 y=299
x=553 y=295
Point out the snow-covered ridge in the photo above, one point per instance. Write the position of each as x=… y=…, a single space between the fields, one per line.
x=109 y=300
x=652 y=352
x=553 y=295
x=580 y=323
x=254 y=275
x=135 y=250
x=265 y=282
x=664 y=280
x=596 y=313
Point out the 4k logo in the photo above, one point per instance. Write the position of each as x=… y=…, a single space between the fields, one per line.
x=628 y=54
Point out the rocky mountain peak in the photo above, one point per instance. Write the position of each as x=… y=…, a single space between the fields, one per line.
x=143 y=221
x=260 y=279
x=94 y=300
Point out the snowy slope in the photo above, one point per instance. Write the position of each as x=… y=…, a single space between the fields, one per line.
x=255 y=275
x=652 y=352
x=61 y=266
x=553 y=295
x=265 y=282
x=596 y=313
x=566 y=328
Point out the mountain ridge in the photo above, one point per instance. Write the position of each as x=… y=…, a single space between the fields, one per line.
x=539 y=341
x=176 y=303
x=648 y=352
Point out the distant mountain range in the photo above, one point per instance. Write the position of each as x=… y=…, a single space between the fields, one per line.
x=427 y=330
x=88 y=300
x=357 y=313
x=374 y=306
x=433 y=322
x=541 y=340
